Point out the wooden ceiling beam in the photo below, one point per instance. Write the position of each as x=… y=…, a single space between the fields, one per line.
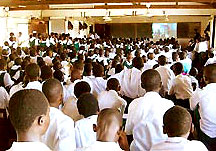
x=46 y=7
x=49 y=2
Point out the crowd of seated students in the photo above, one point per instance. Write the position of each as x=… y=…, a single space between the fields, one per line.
x=110 y=94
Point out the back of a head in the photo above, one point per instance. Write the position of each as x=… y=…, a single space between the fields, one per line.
x=88 y=68
x=58 y=74
x=53 y=91
x=151 y=80
x=3 y=64
x=80 y=88
x=87 y=105
x=210 y=73
x=32 y=70
x=178 y=68
x=119 y=67
x=177 y=122
x=46 y=72
x=98 y=70
x=113 y=84
x=162 y=60
x=25 y=106
x=138 y=63
x=78 y=66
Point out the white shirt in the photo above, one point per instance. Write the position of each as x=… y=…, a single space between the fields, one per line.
x=179 y=144
x=148 y=126
x=207 y=103
x=4 y=98
x=7 y=79
x=149 y=64
x=48 y=60
x=111 y=99
x=84 y=133
x=167 y=77
x=181 y=87
x=210 y=61
x=34 y=85
x=16 y=88
x=102 y=146
x=70 y=109
x=60 y=135
x=130 y=81
x=98 y=84
x=28 y=146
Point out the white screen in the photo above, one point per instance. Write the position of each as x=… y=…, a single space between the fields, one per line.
x=164 y=30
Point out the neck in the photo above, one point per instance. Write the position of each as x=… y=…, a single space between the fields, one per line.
x=55 y=105
x=34 y=79
x=103 y=137
x=28 y=137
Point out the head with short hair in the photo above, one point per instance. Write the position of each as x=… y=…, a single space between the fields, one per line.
x=177 y=122
x=193 y=72
x=151 y=80
x=113 y=84
x=76 y=74
x=18 y=61
x=53 y=91
x=209 y=73
x=178 y=68
x=109 y=124
x=27 y=109
x=98 y=70
x=80 y=88
x=46 y=73
x=88 y=69
x=32 y=71
x=58 y=74
x=138 y=63
x=162 y=60
x=3 y=64
x=87 y=105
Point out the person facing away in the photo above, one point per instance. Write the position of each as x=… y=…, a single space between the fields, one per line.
x=146 y=128
x=177 y=125
x=110 y=97
x=87 y=105
x=205 y=98
x=29 y=115
x=60 y=135
x=70 y=107
x=109 y=134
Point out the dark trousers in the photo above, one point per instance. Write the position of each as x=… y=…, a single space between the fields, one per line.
x=210 y=143
x=128 y=100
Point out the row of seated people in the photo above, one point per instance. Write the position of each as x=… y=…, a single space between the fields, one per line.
x=129 y=82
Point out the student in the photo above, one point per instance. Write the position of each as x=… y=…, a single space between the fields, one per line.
x=206 y=100
x=167 y=75
x=98 y=83
x=177 y=125
x=182 y=87
x=108 y=133
x=5 y=79
x=60 y=135
x=70 y=107
x=128 y=62
x=186 y=62
x=46 y=73
x=87 y=105
x=33 y=74
x=29 y=115
x=146 y=128
x=110 y=97
x=4 y=98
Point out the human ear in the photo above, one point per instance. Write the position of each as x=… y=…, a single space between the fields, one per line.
x=94 y=127
x=41 y=120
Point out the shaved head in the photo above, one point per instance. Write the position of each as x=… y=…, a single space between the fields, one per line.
x=53 y=91
x=151 y=80
x=210 y=73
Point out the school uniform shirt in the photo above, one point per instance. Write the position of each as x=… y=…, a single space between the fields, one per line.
x=16 y=88
x=210 y=61
x=102 y=146
x=98 y=85
x=69 y=93
x=71 y=110
x=149 y=64
x=179 y=144
x=28 y=146
x=167 y=77
x=182 y=87
x=207 y=103
x=4 y=98
x=84 y=133
x=34 y=85
x=60 y=135
x=48 y=60
x=7 y=79
x=130 y=81
x=111 y=99
x=187 y=63
x=148 y=126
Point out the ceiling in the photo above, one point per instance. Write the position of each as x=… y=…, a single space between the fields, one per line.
x=106 y=4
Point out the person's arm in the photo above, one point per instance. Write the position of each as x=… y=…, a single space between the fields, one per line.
x=123 y=143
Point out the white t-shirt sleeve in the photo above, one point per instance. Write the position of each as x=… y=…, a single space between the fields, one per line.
x=7 y=80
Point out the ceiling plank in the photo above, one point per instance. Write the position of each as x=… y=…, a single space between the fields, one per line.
x=43 y=2
x=46 y=7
